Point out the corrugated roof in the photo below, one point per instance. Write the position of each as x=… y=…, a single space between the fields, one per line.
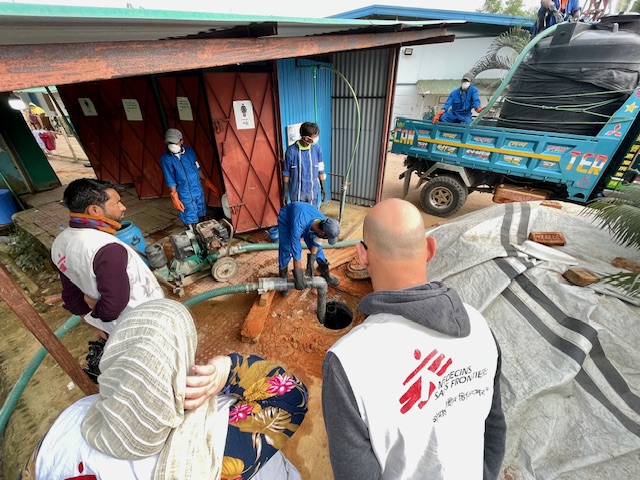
x=485 y=86
x=390 y=12
x=24 y=24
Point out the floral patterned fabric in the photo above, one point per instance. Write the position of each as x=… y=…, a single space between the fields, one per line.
x=271 y=405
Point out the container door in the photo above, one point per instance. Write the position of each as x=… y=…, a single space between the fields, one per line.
x=184 y=104
x=243 y=119
x=95 y=109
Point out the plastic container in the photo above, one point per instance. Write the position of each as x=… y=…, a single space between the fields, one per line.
x=572 y=82
x=7 y=207
x=274 y=234
x=131 y=235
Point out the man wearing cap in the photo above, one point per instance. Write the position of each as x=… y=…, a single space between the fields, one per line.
x=183 y=177
x=300 y=220
x=457 y=108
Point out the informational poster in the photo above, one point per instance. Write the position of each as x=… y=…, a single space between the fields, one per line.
x=132 y=109
x=184 y=109
x=243 y=111
x=87 y=107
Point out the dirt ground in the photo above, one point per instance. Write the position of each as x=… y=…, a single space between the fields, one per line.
x=292 y=335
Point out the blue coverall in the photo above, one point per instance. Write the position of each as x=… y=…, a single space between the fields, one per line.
x=459 y=104
x=182 y=172
x=302 y=166
x=294 y=222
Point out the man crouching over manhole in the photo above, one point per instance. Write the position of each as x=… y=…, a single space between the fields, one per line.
x=413 y=392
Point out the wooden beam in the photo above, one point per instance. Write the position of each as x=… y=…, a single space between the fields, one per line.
x=26 y=66
x=15 y=299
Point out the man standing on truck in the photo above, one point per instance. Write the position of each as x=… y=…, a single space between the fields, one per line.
x=457 y=108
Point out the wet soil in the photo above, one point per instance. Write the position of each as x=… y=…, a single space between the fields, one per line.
x=292 y=335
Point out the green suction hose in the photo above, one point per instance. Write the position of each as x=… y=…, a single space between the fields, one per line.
x=13 y=397
x=345 y=185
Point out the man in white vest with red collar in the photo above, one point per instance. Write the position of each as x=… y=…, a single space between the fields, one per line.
x=414 y=391
x=102 y=277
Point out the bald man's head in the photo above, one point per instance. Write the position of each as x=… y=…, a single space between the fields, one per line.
x=394 y=229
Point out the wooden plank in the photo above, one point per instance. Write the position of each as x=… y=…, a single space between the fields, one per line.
x=25 y=66
x=15 y=299
x=257 y=316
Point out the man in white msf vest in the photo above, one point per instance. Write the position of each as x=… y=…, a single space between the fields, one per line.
x=414 y=391
x=102 y=277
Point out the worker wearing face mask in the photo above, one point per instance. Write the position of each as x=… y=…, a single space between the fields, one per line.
x=303 y=173
x=184 y=178
x=457 y=108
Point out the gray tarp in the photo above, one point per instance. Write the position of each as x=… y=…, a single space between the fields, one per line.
x=571 y=356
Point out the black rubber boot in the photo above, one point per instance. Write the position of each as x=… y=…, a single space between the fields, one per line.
x=283 y=274
x=323 y=268
x=311 y=265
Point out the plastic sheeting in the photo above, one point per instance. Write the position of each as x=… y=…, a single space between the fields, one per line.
x=570 y=356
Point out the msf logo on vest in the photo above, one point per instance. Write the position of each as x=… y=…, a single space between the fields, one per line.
x=61 y=265
x=436 y=365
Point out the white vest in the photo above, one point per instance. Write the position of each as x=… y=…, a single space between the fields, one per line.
x=64 y=453
x=73 y=252
x=423 y=395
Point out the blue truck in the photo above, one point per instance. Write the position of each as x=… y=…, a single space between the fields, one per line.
x=517 y=164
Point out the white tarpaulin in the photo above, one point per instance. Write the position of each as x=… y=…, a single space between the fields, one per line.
x=570 y=355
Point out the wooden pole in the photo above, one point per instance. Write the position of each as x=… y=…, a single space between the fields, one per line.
x=15 y=299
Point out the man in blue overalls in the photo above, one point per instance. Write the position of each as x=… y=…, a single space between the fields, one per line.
x=183 y=177
x=300 y=220
x=303 y=174
x=457 y=108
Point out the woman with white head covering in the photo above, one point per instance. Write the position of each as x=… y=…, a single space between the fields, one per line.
x=243 y=409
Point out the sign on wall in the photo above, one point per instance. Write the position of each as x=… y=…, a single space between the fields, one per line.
x=243 y=111
x=132 y=109
x=184 y=109
x=88 y=108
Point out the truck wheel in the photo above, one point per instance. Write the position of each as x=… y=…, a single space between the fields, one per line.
x=443 y=196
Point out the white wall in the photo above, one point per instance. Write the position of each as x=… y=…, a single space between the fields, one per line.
x=443 y=61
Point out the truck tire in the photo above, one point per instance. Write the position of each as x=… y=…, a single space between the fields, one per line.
x=443 y=196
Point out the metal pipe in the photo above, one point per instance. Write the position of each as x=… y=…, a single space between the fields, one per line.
x=282 y=284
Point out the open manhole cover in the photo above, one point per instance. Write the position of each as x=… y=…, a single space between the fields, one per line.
x=338 y=315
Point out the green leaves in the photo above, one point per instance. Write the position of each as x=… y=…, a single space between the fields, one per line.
x=619 y=212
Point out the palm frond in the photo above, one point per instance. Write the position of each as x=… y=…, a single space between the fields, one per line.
x=620 y=213
x=515 y=38
x=629 y=283
x=491 y=62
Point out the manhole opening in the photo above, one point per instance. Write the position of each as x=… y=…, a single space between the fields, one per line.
x=338 y=315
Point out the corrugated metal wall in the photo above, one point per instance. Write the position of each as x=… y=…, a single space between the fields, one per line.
x=368 y=72
x=295 y=88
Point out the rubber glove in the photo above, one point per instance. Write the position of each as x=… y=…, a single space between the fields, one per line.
x=311 y=265
x=436 y=117
x=479 y=109
x=211 y=186
x=285 y=190
x=323 y=197
x=298 y=279
x=177 y=204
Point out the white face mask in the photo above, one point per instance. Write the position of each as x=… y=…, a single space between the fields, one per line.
x=174 y=148
x=466 y=85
